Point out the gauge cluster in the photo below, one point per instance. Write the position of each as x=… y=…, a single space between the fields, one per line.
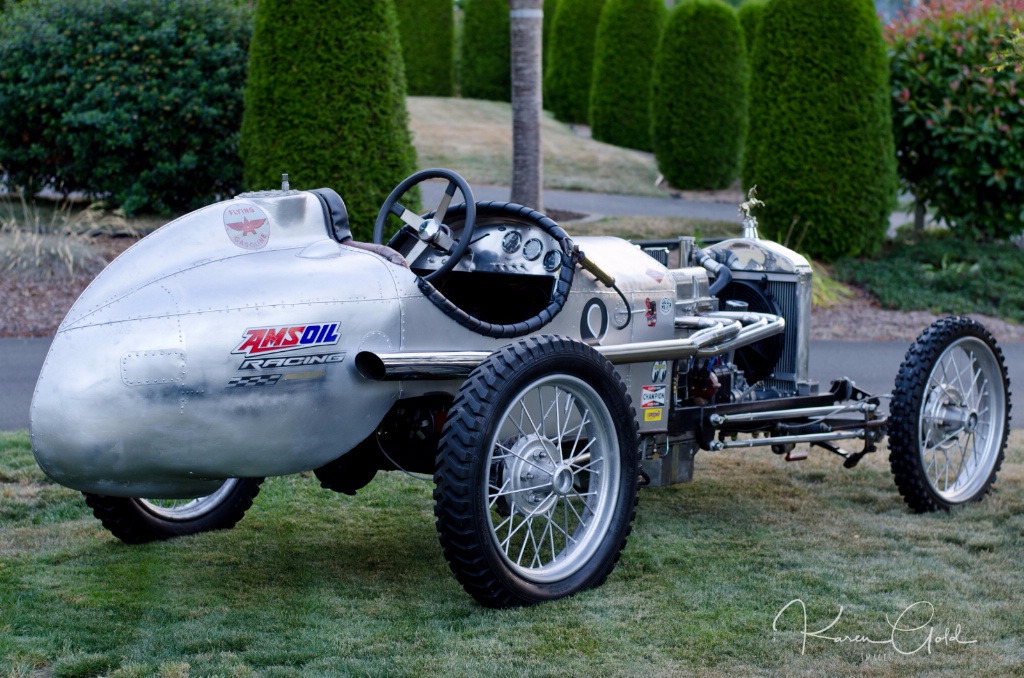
x=507 y=248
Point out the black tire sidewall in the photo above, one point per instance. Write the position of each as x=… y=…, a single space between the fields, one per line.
x=131 y=521
x=573 y=359
x=905 y=442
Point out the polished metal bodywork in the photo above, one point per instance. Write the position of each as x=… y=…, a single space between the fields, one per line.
x=224 y=345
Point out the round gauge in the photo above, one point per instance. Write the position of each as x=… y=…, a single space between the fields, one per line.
x=552 y=260
x=532 y=249
x=510 y=243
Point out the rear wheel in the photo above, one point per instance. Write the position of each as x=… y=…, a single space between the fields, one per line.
x=537 y=473
x=136 y=521
x=950 y=416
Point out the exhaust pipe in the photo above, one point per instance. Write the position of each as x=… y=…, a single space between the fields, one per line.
x=414 y=366
x=728 y=332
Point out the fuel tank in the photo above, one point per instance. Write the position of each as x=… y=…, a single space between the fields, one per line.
x=219 y=346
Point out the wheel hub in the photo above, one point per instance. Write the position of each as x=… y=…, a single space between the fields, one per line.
x=537 y=476
x=947 y=412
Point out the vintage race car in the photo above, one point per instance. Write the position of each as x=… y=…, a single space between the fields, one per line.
x=540 y=379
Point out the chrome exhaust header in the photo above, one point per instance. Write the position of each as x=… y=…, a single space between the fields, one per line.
x=719 y=334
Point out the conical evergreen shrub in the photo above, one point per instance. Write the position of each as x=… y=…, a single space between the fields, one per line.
x=699 y=109
x=570 y=64
x=486 y=66
x=550 y=6
x=428 y=38
x=620 y=96
x=750 y=13
x=820 y=138
x=325 y=102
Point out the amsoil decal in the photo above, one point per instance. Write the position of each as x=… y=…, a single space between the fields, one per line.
x=247 y=226
x=267 y=340
x=292 y=361
x=653 y=396
x=264 y=380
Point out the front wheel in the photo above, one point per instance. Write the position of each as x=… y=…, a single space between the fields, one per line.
x=537 y=473
x=137 y=521
x=950 y=416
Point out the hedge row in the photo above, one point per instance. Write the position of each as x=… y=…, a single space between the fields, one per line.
x=700 y=105
x=486 y=51
x=624 y=49
x=749 y=14
x=570 y=67
x=326 y=102
x=135 y=101
x=820 y=147
x=428 y=35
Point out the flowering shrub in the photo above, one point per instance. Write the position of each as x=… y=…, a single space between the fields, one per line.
x=959 y=121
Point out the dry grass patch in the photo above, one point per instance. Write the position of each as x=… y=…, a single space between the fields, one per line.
x=474 y=138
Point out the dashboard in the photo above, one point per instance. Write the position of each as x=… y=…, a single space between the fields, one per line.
x=501 y=247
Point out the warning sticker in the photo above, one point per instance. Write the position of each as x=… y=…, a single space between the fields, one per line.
x=653 y=396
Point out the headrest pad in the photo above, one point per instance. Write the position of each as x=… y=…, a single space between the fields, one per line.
x=335 y=213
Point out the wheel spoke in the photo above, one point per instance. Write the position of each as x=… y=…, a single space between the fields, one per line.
x=963 y=455
x=522 y=549
x=521 y=489
x=518 y=456
x=585 y=494
x=522 y=404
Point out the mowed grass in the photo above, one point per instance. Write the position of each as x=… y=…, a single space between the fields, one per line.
x=314 y=583
x=474 y=138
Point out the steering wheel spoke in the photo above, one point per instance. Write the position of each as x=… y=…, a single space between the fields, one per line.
x=412 y=249
x=446 y=200
x=409 y=217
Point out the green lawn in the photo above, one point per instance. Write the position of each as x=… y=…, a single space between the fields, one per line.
x=313 y=583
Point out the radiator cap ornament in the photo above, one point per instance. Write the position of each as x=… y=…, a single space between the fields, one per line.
x=747 y=212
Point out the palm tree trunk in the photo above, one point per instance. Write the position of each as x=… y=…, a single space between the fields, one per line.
x=526 y=22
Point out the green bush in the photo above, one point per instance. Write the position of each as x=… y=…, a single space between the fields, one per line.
x=620 y=97
x=326 y=102
x=699 y=101
x=137 y=102
x=820 y=144
x=750 y=13
x=943 y=273
x=486 y=67
x=550 y=6
x=959 y=123
x=428 y=35
x=570 y=64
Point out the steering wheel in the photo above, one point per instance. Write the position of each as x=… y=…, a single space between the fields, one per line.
x=419 y=233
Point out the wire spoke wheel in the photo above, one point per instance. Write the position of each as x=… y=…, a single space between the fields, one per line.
x=136 y=521
x=537 y=473
x=950 y=416
x=189 y=509
x=554 y=481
